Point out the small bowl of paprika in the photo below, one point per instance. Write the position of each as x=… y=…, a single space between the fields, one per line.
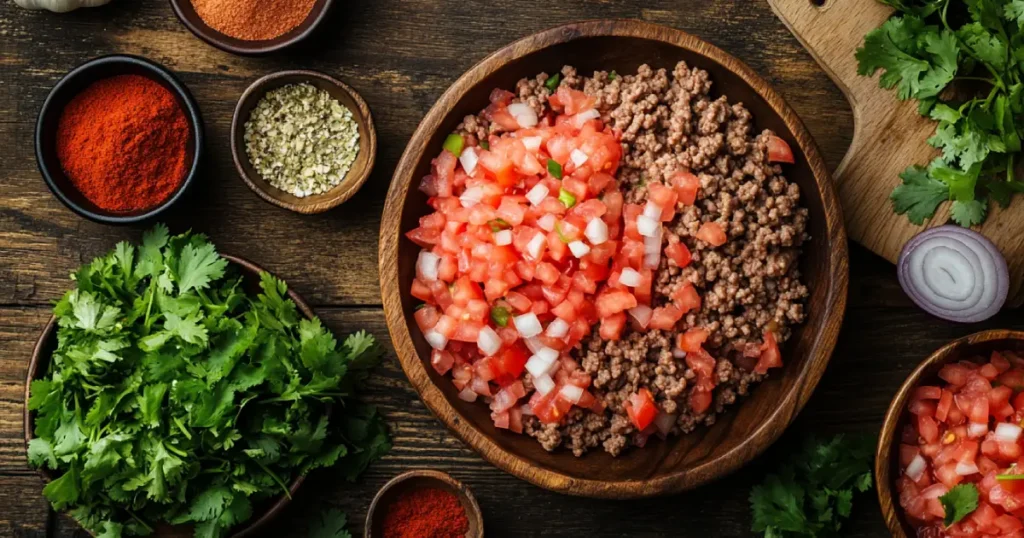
x=251 y=28
x=119 y=139
x=424 y=503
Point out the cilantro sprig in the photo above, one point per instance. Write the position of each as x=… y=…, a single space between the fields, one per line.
x=812 y=494
x=959 y=502
x=176 y=395
x=923 y=51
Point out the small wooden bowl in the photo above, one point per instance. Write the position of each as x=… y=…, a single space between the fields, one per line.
x=412 y=480
x=357 y=174
x=187 y=15
x=77 y=80
x=40 y=361
x=683 y=462
x=887 y=454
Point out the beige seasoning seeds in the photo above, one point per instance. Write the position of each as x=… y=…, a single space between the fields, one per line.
x=301 y=140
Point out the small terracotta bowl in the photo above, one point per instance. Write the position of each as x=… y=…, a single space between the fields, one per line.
x=413 y=480
x=188 y=16
x=887 y=455
x=352 y=181
x=263 y=513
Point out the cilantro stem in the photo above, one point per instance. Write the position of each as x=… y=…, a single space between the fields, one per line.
x=130 y=513
x=273 y=476
x=176 y=450
x=181 y=427
x=963 y=45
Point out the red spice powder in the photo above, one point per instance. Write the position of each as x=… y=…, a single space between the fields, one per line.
x=253 y=20
x=122 y=143
x=426 y=513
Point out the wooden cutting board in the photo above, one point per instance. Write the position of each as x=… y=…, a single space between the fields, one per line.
x=889 y=135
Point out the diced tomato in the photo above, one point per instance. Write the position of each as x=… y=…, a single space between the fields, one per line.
x=779 y=151
x=611 y=326
x=712 y=234
x=700 y=400
x=686 y=185
x=686 y=298
x=770 y=357
x=665 y=317
x=678 y=252
x=641 y=409
x=691 y=340
x=612 y=302
x=442 y=361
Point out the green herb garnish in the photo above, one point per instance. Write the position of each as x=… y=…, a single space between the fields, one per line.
x=959 y=502
x=500 y=314
x=485 y=144
x=177 y=396
x=498 y=225
x=813 y=493
x=554 y=169
x=332 y=524
x=921 y=51
x=454 y=144
x=561 y=236
x=566 y=197
x=552 y=82
x=1010 y=477
x=612 y=76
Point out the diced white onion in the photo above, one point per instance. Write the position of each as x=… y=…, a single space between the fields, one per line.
x=966 y=469
x=578 y=157
x=467 y=394
x=533 y=248
x=436 y=339
x=583 y=117
x=652 y=249
x=641 y=313
x=534 y=344
x=488 y=341
x=653 y=210
x=916 y=468
x=647 y=226
x=544 y=384
x=427 y=264
x=528 y=325
x=532 y=143
x=1007 y=432
x=469 y=158
x=678 y=353
x=471 y=196
x=547 y=222
x=526 y=409
x=579 y=249
x=629 y=277
x=503 y=237
x=571 y=393
x=525 y=116
x=976 y=429
x=596 y=231
x=541 y=362
x=558 y=328
x=537 y=194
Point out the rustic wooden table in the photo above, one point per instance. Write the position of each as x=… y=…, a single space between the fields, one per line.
x=400 y=55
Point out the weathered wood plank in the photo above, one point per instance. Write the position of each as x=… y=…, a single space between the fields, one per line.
x=24 y=512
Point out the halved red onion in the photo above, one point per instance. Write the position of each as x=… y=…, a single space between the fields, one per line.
x=525 y=116
x=954 y=273
x=916 y=468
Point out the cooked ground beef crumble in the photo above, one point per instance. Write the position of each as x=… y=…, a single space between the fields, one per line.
x=670 y=122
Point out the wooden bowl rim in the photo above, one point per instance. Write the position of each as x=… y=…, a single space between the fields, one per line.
x=254 y=525
x=226 y=43
x=822 y=345
x=888 y=435
x=354 y=178
x=465 y=495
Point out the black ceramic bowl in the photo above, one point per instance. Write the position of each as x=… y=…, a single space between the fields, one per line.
x=187 y=15
x=70 y=86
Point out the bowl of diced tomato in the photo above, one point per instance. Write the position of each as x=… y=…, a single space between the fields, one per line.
x=950 y=458
x=427 y=335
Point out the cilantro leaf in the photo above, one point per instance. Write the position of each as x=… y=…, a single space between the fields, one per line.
x=198 y=266
x=332 y=524
x=959 y=502
x=1014 y=11
x=969 y=213
x=917 y=59
x=919 y=195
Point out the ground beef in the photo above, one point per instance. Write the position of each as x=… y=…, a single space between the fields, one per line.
x=669 y=122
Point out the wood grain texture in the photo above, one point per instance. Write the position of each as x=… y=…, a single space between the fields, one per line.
x=353 y=179
x=680 y=463
x=889 y=135
x=887 y=454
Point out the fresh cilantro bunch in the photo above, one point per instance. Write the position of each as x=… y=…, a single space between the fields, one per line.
x=813 y=493
x=176 y=395
x=930 y=45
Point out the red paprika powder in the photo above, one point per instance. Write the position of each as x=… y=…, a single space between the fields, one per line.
x=426 y=513
x=122 y=142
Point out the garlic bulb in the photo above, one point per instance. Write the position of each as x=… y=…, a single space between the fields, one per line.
x=59 y=6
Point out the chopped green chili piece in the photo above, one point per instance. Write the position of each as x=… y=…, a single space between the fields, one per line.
x=498 y=225
x=613 y=75
x=558 y=230
x=454 y=144
x=552 y=82
x=554 y=169
x=499 y=314
x=485 y=144
x=566 y=198
x=420 y=306
x=1010 y=477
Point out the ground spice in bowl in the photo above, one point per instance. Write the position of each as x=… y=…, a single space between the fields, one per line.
x=426 y=513
x=122 y=142
x=250 y=20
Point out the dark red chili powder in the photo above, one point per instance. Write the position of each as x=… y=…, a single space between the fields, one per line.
x=122 y=142
x=426 y=513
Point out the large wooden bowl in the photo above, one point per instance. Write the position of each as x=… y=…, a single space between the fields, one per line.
x=262 y=513
x=661 y=467
x=887 y=458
